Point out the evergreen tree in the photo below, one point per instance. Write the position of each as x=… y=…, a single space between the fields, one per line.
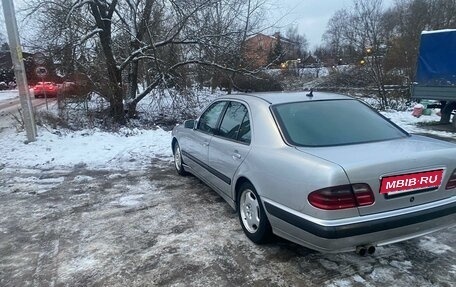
x=277 y=54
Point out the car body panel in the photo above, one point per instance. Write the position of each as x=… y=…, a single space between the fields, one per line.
x=195 y=150
x=226 y=157
x=368 y=163
x=284 y=175
x=264 y=164
x=344 y=235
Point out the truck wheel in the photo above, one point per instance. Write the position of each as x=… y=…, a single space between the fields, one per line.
x=446 y=111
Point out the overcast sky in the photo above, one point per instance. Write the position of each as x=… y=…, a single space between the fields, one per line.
x=311 y=16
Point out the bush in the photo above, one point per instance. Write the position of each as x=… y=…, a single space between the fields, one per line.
x=261 y=83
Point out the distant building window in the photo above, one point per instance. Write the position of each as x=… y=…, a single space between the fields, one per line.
x=260 y=45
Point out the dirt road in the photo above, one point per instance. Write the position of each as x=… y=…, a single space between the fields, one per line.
x=84 y=227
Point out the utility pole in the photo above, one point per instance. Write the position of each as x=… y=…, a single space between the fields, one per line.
x=19 y=70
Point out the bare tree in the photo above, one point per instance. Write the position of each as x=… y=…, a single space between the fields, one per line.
x=300 y=41
x=360 y=32
x=405 y=21
x=149 y=39
x=333 y=37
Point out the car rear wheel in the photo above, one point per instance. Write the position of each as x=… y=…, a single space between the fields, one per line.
x=252 y=216
x=178 y=160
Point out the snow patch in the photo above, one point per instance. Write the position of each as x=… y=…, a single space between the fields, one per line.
x=115 y=176
x=453 y=269
x=430 y=244
x=33 y=179
x=77 y=266
x=28 y=184
x=402 y=265
x=128 y=149
x=340 y=283
x=382 y=275
x=7 y=95
x=410 y=123
x=82 y=178
x=329 y=264
x=359 y=279
x=130 y=200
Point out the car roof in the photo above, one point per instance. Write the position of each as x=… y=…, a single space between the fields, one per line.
x=289 y=97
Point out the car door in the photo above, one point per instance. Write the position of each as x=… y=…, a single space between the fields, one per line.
x=196 y=145
x=229 y=146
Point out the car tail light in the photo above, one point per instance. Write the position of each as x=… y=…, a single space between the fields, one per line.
x=342 y=197
x=452 y=181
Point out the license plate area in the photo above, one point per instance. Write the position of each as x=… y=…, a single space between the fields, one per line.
x=411 y=182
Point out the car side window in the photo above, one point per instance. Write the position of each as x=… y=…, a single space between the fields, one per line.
x=235 y=123
x=209 y=119
x=244 y=131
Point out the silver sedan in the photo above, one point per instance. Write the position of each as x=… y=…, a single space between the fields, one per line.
x=322 y=170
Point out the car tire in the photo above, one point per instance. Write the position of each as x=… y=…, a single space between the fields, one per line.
x=178 y=160
x=252 y=216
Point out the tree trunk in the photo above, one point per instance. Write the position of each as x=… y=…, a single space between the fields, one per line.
x=132 y=88
x=134 y=66
x=116 y=92
x=117 y=109
x=131 y=107
x=446 y=111
x=103 y=20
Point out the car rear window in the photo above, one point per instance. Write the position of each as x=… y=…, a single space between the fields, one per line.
x=333 y=122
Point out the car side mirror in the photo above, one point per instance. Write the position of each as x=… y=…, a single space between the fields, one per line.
x=190 y=124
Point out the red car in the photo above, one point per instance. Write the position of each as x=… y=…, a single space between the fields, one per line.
x=45 y=89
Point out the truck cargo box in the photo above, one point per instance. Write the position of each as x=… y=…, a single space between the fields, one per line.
x=436 y=66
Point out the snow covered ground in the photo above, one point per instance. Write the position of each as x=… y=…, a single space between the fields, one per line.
x=126 y=149
x=8 y=94
x=129 y=148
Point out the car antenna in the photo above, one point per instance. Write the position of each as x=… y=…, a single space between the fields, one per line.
x=310 y=94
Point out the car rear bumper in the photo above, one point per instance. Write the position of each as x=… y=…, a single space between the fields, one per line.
x=333 y=236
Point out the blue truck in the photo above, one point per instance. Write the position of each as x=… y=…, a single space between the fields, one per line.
x=436 y=71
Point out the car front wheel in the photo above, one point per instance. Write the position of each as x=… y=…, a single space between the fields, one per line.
x=178 y=160
x=252 y=215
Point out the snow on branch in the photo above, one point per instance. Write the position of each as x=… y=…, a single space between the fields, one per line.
x=78 y=4
x=160 y=78
x=90 y=35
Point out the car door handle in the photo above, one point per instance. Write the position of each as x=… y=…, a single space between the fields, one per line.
x=205 y=143
x=236 y=155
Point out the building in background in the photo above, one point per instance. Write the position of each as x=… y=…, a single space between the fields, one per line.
x=262 y=50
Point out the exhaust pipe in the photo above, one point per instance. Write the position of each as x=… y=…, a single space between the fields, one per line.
x=361 y=250
x=364 y=250
x=371 y=249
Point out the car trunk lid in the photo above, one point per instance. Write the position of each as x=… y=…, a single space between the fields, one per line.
x=402 y=173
